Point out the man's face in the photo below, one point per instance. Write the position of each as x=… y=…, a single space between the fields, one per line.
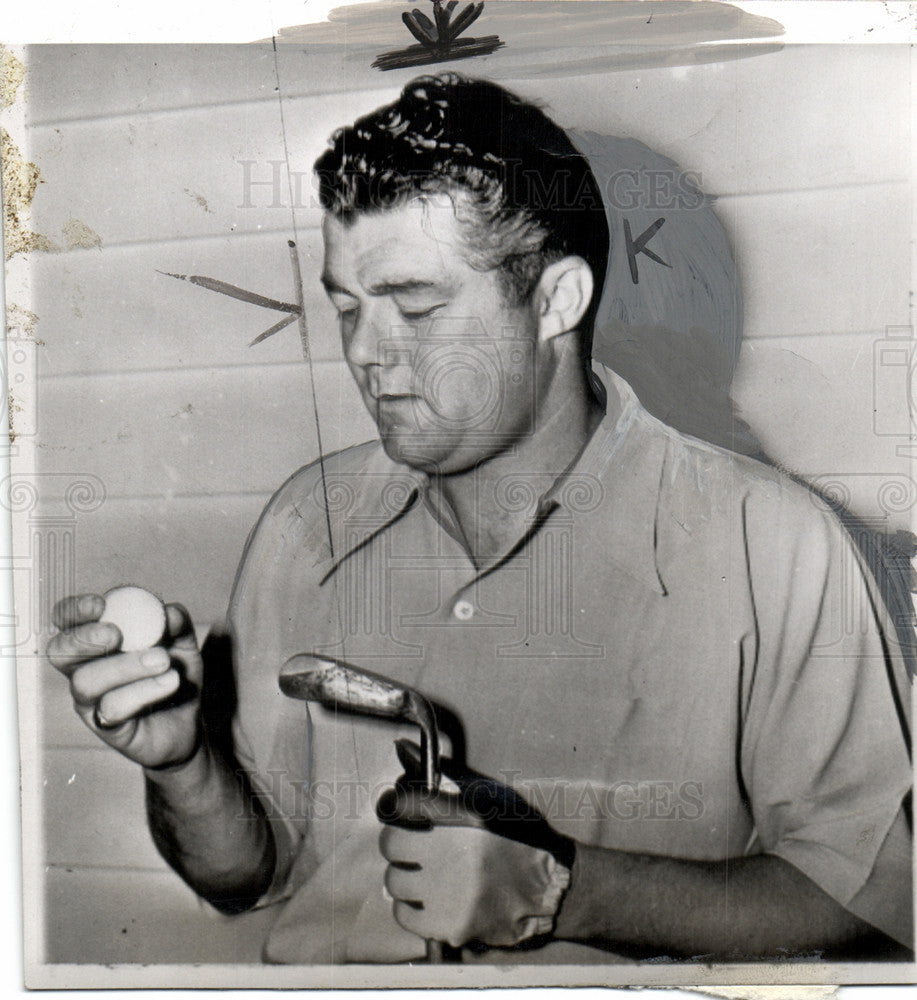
x=446 y=367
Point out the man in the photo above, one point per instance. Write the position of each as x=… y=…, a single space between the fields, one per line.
x=629 y=635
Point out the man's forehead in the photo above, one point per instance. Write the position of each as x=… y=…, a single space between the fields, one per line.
x=413 y=242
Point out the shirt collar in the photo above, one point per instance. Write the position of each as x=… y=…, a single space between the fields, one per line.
x=364 y=500
x=617 y=477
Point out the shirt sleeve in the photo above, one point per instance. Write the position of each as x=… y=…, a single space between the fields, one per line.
x=287 y=839
x=258 y=724
x=825 y=754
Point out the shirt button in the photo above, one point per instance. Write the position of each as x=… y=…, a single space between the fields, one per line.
x=463 y=610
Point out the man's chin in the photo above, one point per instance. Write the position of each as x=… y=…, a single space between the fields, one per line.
x=415 y=453
x=440 y=455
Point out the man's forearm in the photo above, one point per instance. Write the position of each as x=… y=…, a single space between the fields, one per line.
x=750 y=907
x=208 y=825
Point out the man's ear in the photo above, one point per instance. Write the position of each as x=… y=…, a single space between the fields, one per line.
x=563 y=295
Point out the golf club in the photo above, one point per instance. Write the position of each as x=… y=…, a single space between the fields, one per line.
x=341 y=686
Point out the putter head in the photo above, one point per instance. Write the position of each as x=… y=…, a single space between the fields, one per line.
x=338 y=685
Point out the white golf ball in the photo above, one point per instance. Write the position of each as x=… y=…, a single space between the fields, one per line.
x=139 y=615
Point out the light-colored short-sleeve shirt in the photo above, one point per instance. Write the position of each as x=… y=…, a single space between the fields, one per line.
x=681 y=655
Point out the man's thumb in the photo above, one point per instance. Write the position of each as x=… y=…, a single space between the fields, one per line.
x=418 y=809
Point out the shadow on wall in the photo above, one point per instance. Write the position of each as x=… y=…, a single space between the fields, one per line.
x=670 y=323
x=670 y=319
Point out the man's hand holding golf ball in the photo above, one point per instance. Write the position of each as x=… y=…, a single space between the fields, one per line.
x=135 y=673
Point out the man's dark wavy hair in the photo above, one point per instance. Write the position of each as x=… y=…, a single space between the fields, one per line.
x=530 y=196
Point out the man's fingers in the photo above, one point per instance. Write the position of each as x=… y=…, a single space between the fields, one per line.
x=123 y=703
x=404 y=884
x=404 y=847
x=179 y=627
x=390 y=845
x=67 y=650
x=89 y=682
x=77 y=610
x=411 y=917
x=410 y=807
x=421 y=909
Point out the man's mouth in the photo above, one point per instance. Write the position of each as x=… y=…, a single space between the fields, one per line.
x=392 y=397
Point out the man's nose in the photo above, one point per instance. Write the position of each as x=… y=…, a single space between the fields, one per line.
x=378 y=343
x=362 y=345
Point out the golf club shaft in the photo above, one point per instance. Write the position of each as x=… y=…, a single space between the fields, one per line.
x=339 y=685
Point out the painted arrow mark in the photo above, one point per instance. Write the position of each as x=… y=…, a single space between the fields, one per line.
x=439 y=38
x=295 y=310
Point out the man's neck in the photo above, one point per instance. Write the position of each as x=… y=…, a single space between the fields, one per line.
x=488 y=503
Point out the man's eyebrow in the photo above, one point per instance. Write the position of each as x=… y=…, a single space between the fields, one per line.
x=408 y=285
x=387 y=287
